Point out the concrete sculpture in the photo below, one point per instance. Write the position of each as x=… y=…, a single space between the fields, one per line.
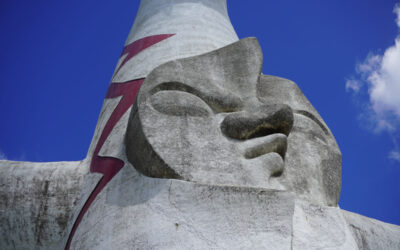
x=194 y=149
x=215 y=119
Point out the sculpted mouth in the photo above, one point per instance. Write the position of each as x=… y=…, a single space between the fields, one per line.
x=259 y=146
x=267 y=152
x=261 y=131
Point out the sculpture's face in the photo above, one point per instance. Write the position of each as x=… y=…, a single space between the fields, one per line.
x=205 y=119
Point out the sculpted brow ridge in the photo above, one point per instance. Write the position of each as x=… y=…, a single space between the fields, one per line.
x=313 y=118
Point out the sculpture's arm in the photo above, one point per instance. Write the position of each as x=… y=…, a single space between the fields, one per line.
x=372 y=234
x=37 y=201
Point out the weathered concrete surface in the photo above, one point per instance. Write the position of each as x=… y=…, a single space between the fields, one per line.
x=215 y=119
x=320 y=227
x=138 y=212
x=372 y=234
x=38 y=202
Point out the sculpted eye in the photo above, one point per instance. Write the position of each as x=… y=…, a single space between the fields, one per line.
x=179 y=103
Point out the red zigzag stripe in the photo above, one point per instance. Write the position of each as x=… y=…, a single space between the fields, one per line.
x=110 y=166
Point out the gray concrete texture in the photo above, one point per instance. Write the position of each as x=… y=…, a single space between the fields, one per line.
x=38 y=202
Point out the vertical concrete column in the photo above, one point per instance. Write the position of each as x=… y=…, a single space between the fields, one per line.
x=196 y=26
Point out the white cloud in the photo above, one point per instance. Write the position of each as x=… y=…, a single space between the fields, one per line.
x=380 y=73
x=384 y=83
x=353 y=85
x=2 y=156
x=378 y=79
x=397 y=11
x=394 y=155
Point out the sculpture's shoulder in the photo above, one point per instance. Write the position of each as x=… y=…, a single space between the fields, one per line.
x=37 y=201
x=372 y=234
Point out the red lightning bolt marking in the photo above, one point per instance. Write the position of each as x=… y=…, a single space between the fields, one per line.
x=110 y=166
x=137 y=46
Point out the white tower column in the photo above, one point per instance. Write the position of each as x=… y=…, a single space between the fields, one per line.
x=196 y=26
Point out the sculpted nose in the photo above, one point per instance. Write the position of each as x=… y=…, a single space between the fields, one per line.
x=262 y=121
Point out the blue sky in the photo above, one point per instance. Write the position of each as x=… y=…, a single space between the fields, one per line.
x=57 y=58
